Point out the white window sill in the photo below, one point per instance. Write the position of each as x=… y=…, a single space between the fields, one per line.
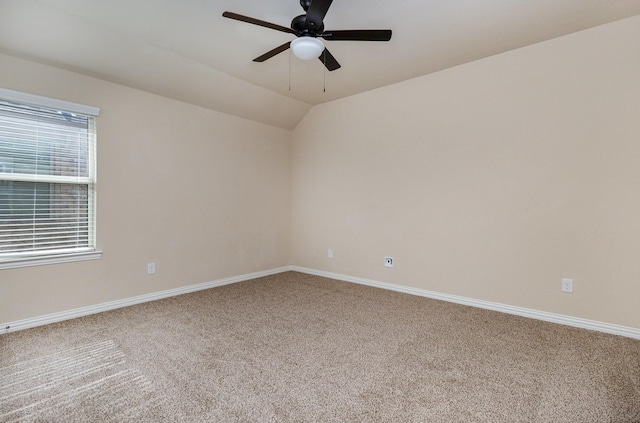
x=48 y=259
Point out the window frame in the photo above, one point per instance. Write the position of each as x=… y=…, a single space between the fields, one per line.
x=16 y=260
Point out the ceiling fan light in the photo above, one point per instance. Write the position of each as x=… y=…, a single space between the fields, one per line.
x=307 y=48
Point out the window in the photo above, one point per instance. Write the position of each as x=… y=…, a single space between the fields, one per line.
x=47 y=178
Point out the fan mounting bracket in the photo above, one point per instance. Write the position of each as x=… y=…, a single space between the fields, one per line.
x=305 y=4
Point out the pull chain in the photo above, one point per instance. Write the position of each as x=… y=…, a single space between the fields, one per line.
x=289 y=69
x=324 y=73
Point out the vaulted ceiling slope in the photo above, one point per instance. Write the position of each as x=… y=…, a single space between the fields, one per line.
x=187 y=51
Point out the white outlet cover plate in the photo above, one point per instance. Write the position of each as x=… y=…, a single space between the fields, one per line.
x=388 y=262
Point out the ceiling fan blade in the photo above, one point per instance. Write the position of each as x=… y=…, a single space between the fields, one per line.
x=358 y=35
x=315 y=15
x=329 y=61
x=258 y=22
x=271 y=53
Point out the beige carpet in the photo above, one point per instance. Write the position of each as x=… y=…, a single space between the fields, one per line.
x=300 y=348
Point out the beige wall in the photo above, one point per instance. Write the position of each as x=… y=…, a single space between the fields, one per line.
x=202 y=194
x=492 y=180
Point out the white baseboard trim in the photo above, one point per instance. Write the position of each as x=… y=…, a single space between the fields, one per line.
x=577 y=322
x=112 y=305
x=504 y=308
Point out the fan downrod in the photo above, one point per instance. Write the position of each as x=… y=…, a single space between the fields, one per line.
x=305 y=4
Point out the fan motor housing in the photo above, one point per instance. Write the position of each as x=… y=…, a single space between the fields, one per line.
x=299 y=25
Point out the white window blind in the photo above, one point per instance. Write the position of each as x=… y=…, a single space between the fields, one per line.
x=47 y=178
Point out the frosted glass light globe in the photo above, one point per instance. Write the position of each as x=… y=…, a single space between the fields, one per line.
x=307 y=48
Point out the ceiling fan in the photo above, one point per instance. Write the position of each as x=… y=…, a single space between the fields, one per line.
x=308 y=28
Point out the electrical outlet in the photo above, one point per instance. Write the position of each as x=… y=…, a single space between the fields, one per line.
x=151 y=269
x=330 y=253
x=567 y=285
x=388 y=262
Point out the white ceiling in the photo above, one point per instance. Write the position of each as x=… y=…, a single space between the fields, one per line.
x=186 y=50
